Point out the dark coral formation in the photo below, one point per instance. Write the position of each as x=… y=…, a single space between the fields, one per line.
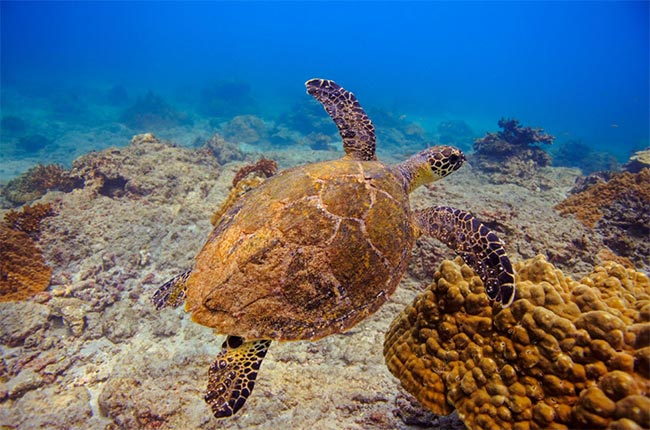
x=619 y=209
x=513 y=154
x=23 y=271
x=565 y=354
x=151 y=111
x=37 y=181
x=574 y=153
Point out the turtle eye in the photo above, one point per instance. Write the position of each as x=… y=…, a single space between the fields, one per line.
x=453 y=158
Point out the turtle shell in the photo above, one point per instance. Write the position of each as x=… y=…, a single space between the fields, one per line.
x=310 y=252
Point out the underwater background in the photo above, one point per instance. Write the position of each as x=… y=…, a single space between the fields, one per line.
x=126 y=128
x=577 y=69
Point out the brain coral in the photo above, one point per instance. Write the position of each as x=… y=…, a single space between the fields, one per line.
x=565 y=354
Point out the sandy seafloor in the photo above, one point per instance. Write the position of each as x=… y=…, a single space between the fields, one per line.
x=92 y=353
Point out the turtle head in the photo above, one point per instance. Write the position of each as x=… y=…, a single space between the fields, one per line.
x=430 y=165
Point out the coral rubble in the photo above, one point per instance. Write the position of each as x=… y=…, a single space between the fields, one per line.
x=513 y=154
x=619 y=209
x=565 y=354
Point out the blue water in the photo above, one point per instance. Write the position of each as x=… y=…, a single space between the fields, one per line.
x=580 y=70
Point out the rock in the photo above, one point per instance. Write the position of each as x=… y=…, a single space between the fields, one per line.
x=20 y=320
x=73 y=312
x=25 y=381
x=119 y=324
x=50 y=408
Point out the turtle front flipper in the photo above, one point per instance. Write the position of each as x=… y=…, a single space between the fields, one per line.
x=231 y=377
x=478 y=246
x=172 y=292
x=354 y=126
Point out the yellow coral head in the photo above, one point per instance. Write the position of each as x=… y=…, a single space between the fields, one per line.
x=430 y=165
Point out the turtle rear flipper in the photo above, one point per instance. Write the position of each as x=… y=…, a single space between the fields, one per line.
x=231 y=377
x=172 y=292
x=354 y=126
x=477 y=245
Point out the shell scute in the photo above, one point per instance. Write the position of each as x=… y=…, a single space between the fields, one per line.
x=305 y=223
x=339 y=192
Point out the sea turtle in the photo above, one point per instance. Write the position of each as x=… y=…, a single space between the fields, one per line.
x=317 y=248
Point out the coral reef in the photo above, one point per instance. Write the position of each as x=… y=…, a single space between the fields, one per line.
x=574 y=153
x=638 y=161
x=37 y=181
x=565 y=354
x=23 y=271
x=151 y=111
x=511 y=155
x=227 y=99
x=619 y=209
x=90 y=352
